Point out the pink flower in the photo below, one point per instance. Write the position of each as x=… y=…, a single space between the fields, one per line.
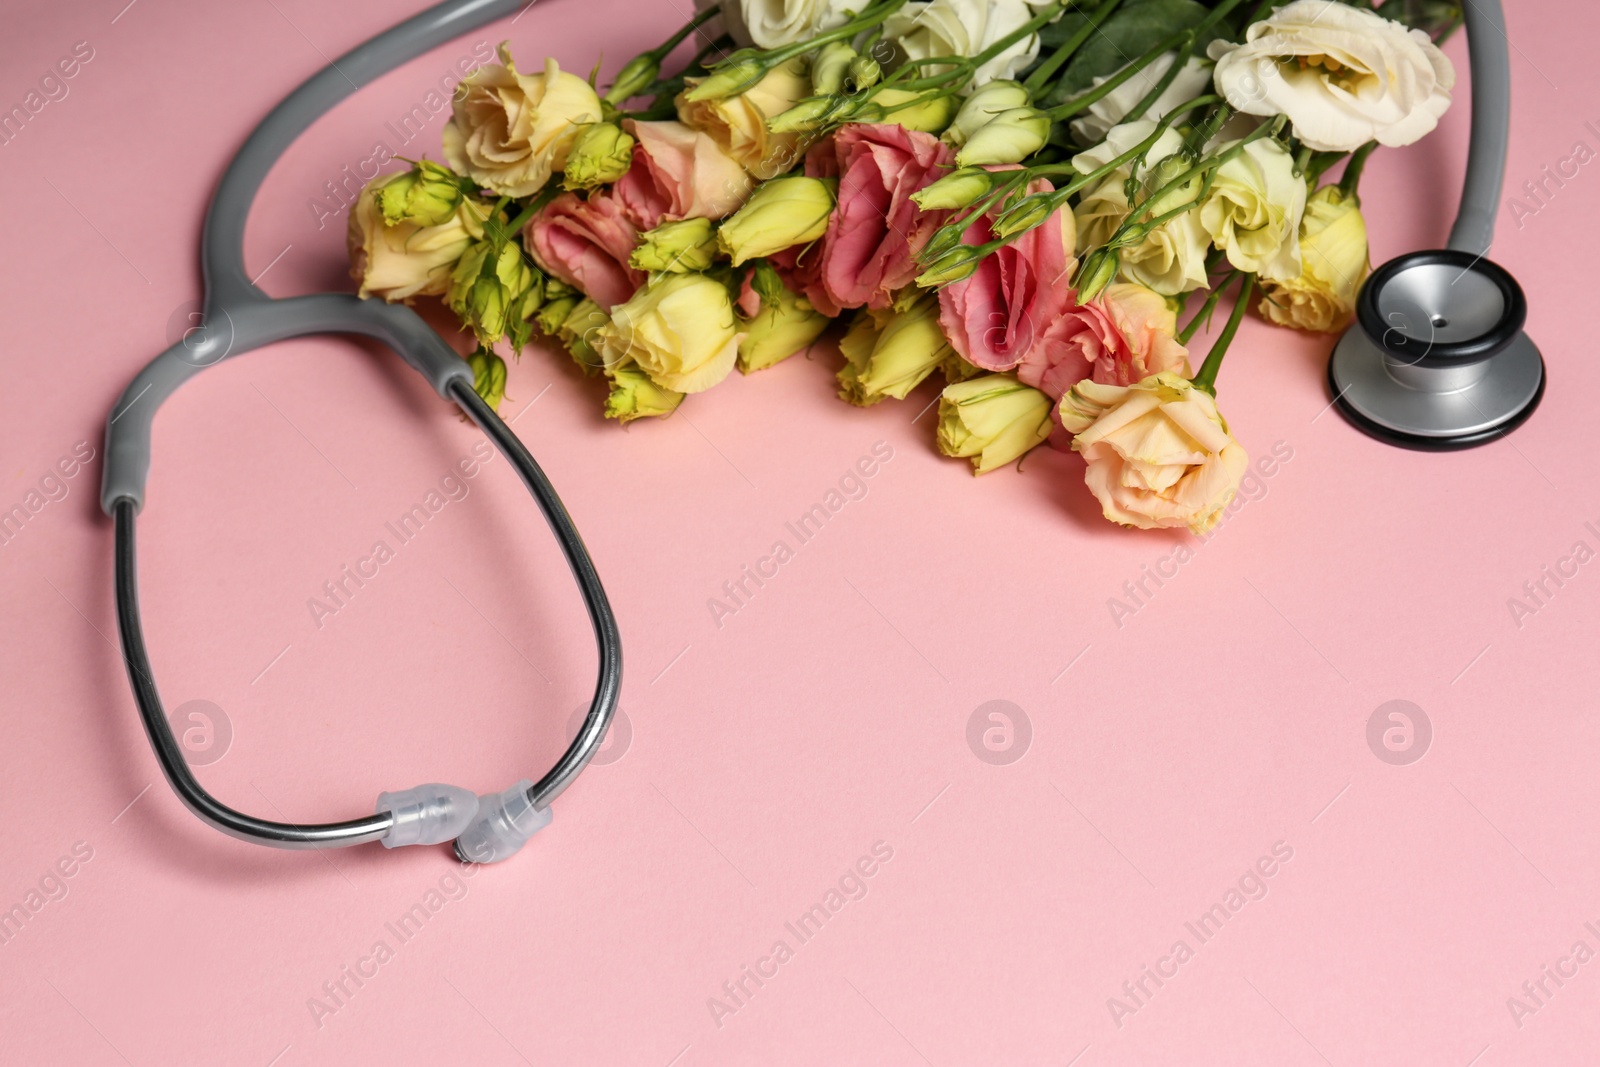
x=679 y=173
x=587 y=244
x=1003 y=312
x=871 y=247
x=1121 y=337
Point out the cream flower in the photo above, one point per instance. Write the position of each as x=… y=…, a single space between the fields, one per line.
x=1159 y=453
x=1171 y=258
x=774 y=23
x=965 y=28
x=780 y=214
x=509 y=132
x=1333 y=252
x=992 y=420
x=739 y=123
x=1109 y=110
x=1254 y=208
x=888 y=353
x=401 y=260
x=1344 y=76
x=679 y=329
x=983 y=107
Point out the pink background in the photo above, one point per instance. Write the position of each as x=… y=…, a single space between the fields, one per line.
x=769 y=754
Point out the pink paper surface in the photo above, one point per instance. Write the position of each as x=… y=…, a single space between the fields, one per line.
x=823 y=725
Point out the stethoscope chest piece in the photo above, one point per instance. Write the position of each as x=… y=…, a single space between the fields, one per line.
x=1437 y=359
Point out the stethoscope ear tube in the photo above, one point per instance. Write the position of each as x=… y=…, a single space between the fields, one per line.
x=240 y=318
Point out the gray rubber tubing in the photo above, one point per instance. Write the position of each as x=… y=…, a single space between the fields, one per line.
x=1488 y=51
x=239 y=317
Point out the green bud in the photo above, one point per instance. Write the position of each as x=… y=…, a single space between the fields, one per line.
x=490 y=292
x=786 y=324
x=889 y=353
x=992 y=420
x=579 y=334
x=1026 y=214
x=958 y=189
x=635 y=396
x=1097 y=272
x=864 y=74
x=780 y=214
x=983 y=106
x=955 y=369
x=928 y=112
x=831 y=67
x=956 y=265
x=488 y=377
x=1011 y=137
x=727 y=80
x=812 y=114
x=767 y=284
x=426 y=195
x=600 y=155
x=635 y=78
x=686 y=247
x=554 y=313
x=945 y=239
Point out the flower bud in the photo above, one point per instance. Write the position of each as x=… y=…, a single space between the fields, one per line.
x=601 y=154
x=992 y=420
x=958 y=189
x=1010 y=138
x=488 y=377
x=786 y=324
x=864 y=74
x=633 y=79
x=425 y=195
x=831 y=67
x=554 y=313
x=730 y=79
x=781 y=214
x=580 y=334
x=944 y=240
x=982 y=107
x=682 y=247
x=955 y=265
x=889 y=353
x=635 y=396
x=1099 y=270
x=1026 y=214
x=927 y=112
x=811 y=114
x=494 y=291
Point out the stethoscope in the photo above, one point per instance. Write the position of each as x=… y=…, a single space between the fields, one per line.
x=239 y=317
x=1437 y=359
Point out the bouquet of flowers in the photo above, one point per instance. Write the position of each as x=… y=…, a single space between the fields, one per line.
x=1038 y=202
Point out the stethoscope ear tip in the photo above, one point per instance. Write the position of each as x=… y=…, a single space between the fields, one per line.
x=1437 y=359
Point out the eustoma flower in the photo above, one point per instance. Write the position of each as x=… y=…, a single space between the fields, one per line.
x=587 y=244
x=1253 y=210
x=996 y=317
x=679 y=328
x=738 y=124
x=1344 y=76
x=1159 y=453
x=1121 y=337
x=870 y=249
x=888 y=353
x=678 y=173
x=1193 y=79
x=992 y=420
x=400 y=260
x=775 y=23
x=1333 y=247
x=510 y=131
x=966 y=28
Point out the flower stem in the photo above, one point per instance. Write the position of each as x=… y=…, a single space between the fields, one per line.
x=1047 y=70
x=1207 y=378
x=1352 y=171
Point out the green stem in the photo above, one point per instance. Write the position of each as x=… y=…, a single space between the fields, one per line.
x=1047 y=70
x=1203 y=316
x=1207 y=378
x=1352 y=171
x=667 y=47
x=961 y=69
x=874 y=17
x=1147 y=101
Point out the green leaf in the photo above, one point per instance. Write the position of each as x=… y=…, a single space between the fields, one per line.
x=1126 y=35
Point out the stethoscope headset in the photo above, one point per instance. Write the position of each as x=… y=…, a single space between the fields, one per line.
x=1437 y=360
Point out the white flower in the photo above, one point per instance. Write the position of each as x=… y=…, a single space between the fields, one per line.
x=774 y=23
x=1192 y=80
x=1344 y=76
x=965 y=28
x=980 y=109
x=1254 y=208
x=1171 y=259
